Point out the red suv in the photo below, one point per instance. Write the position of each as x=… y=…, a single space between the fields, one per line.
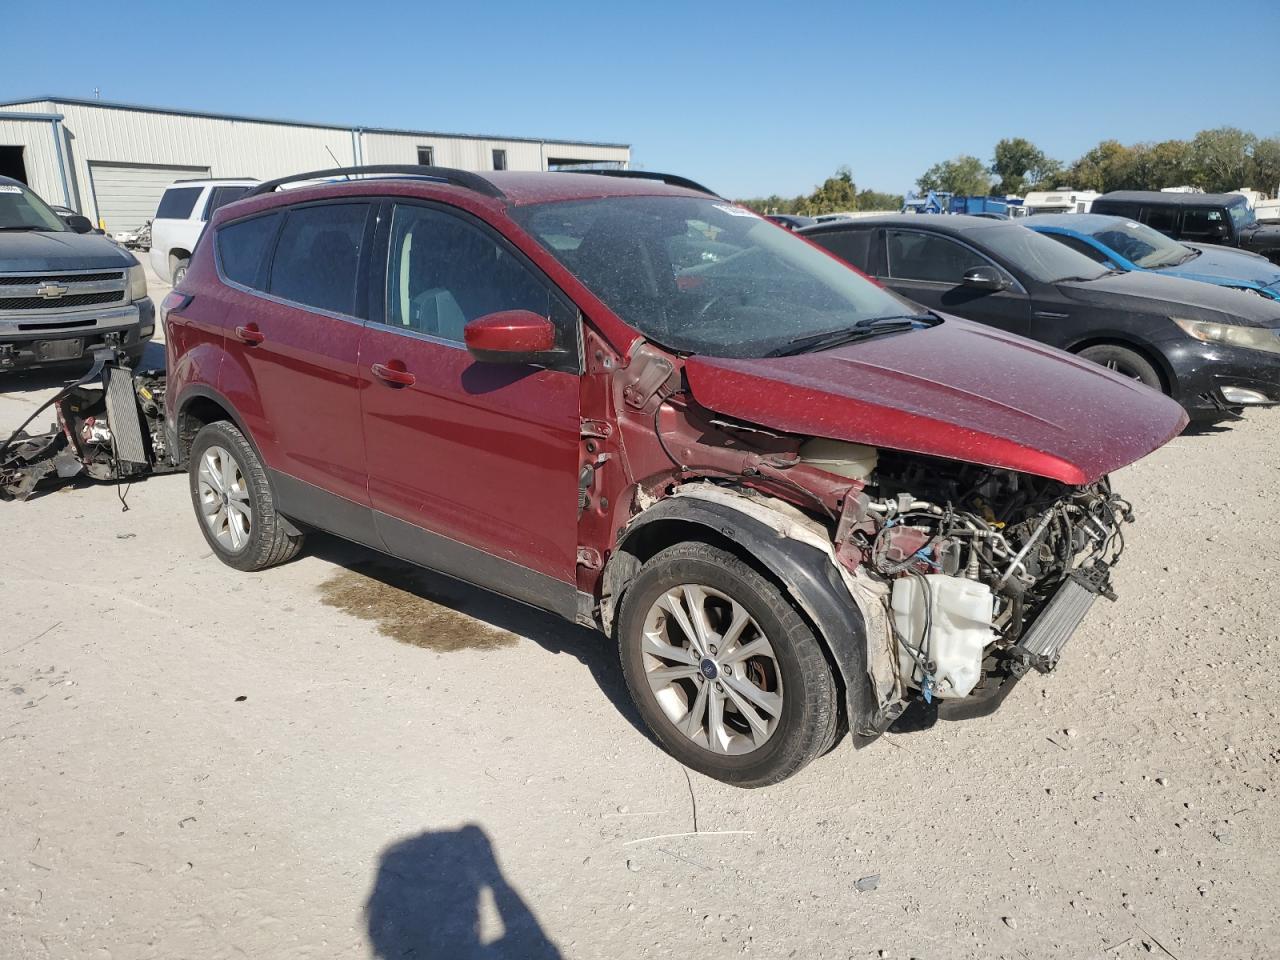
x=797 y=501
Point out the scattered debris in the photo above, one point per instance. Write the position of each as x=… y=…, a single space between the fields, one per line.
x=633 y=866
x=701 y=833
x=241 y=699
x=1009 y=922
x=868 y=883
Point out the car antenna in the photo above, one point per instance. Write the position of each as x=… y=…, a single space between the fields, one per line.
x=335 y=159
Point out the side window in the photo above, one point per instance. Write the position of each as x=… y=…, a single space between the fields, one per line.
x=443 y=272
x=1112 y=208
x=221 y=196
x=1079 y=246
x=318 y=256
x=1203 y=223
x=243 y=248
x=1164 y=219
x=922 y=256
x=851 y=246
x=178 y=202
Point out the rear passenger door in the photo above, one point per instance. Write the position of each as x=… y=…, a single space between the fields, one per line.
x=929 y=269
x=293 y=340
x=472 y=466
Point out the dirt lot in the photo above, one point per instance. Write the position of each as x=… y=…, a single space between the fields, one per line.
x=345 y=758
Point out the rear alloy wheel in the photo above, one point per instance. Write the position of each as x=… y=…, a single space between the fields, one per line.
x=178 y=270
x=728 y=676
x=233 y=501
x=1126 y=362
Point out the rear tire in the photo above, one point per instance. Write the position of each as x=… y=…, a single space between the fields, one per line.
x=746 y=718
x=233 y=501
x=1126 y=362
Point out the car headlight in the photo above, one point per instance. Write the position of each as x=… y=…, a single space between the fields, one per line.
x=1253 y=338
x=137 y=282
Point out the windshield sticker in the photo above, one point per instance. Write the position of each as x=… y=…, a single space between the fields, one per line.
x=8 y=188
x=733 y=211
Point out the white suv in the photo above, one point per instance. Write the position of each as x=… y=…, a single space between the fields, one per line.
x=184 y=209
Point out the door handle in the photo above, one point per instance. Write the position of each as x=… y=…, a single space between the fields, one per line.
x=397 y=376
x=250 y=334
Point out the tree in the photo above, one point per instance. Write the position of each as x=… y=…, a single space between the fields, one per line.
x=1264 y=173
x=837 y=193
x=963 y=175
x=1108 y=166
x=874 y=200
x=1222 y=158
x=1022 y=166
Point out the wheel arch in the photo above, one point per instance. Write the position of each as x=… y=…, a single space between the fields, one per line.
x=201 y=406
x=804 y=574
x=1153 y=356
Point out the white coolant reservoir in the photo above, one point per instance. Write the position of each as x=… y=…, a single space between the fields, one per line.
x=961 y=629
x=852 y=460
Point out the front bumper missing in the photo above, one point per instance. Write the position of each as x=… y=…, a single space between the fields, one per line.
x=1040 y=647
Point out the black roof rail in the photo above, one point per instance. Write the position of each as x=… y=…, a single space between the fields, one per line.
x=670 y=179
x=209 y=179
x=459 y=178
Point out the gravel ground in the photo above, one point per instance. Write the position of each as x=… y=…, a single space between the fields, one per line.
x=345 y=757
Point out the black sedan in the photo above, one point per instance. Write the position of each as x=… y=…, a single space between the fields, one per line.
x=1214 y=350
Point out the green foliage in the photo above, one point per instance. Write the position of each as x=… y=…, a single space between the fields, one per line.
x=963 y=175
x=837 y=194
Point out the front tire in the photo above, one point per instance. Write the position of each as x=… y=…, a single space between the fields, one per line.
x=233 y=501
x=726 y=673
x=1126 y=362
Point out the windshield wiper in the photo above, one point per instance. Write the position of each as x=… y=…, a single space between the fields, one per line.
x=862 y=330
x=24 y=226
x=1192 y=253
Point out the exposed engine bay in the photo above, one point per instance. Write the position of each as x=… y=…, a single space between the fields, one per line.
x=976 y=558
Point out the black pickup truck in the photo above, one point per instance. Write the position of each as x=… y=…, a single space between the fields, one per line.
x=1221 y=218
x=64 y=290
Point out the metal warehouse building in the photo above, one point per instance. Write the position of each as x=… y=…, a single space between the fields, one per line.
x=111 y=161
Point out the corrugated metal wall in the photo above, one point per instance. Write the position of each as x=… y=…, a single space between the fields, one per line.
x=243 y=148
x=36 y=137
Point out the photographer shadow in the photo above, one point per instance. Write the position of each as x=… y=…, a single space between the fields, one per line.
x=427 y=903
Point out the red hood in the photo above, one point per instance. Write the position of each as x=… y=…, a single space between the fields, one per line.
x=957 y=390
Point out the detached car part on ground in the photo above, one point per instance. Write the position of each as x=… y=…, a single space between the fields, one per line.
x=110 y=427
x=797 y=502
x=65 y=292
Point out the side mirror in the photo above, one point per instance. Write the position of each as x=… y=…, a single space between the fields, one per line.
x=986 y=278
x=80 y=224
x=510 y=336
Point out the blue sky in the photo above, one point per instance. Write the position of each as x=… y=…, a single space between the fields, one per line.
x=750 y=98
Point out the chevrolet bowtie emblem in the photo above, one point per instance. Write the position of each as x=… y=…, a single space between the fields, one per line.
x=52 y=291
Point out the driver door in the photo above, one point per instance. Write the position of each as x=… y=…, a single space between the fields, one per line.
x=472 y=466
x=929 y=269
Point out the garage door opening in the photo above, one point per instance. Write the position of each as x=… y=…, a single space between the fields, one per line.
x=125 y=195
x=12 y=164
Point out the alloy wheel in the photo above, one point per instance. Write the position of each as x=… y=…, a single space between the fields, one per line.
x=712 y=670
x=224 y=499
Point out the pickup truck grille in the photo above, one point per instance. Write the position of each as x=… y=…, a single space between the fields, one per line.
x=25 y=293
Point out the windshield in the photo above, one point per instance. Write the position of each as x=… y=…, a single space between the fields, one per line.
x=706 y=276
x=1242 y=214
x=20 y=209
x=1143 y=246
x=1043 y=258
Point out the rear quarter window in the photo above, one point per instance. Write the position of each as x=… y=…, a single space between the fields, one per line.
x=243 y=249
x=178 y=202
x=221 y=196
